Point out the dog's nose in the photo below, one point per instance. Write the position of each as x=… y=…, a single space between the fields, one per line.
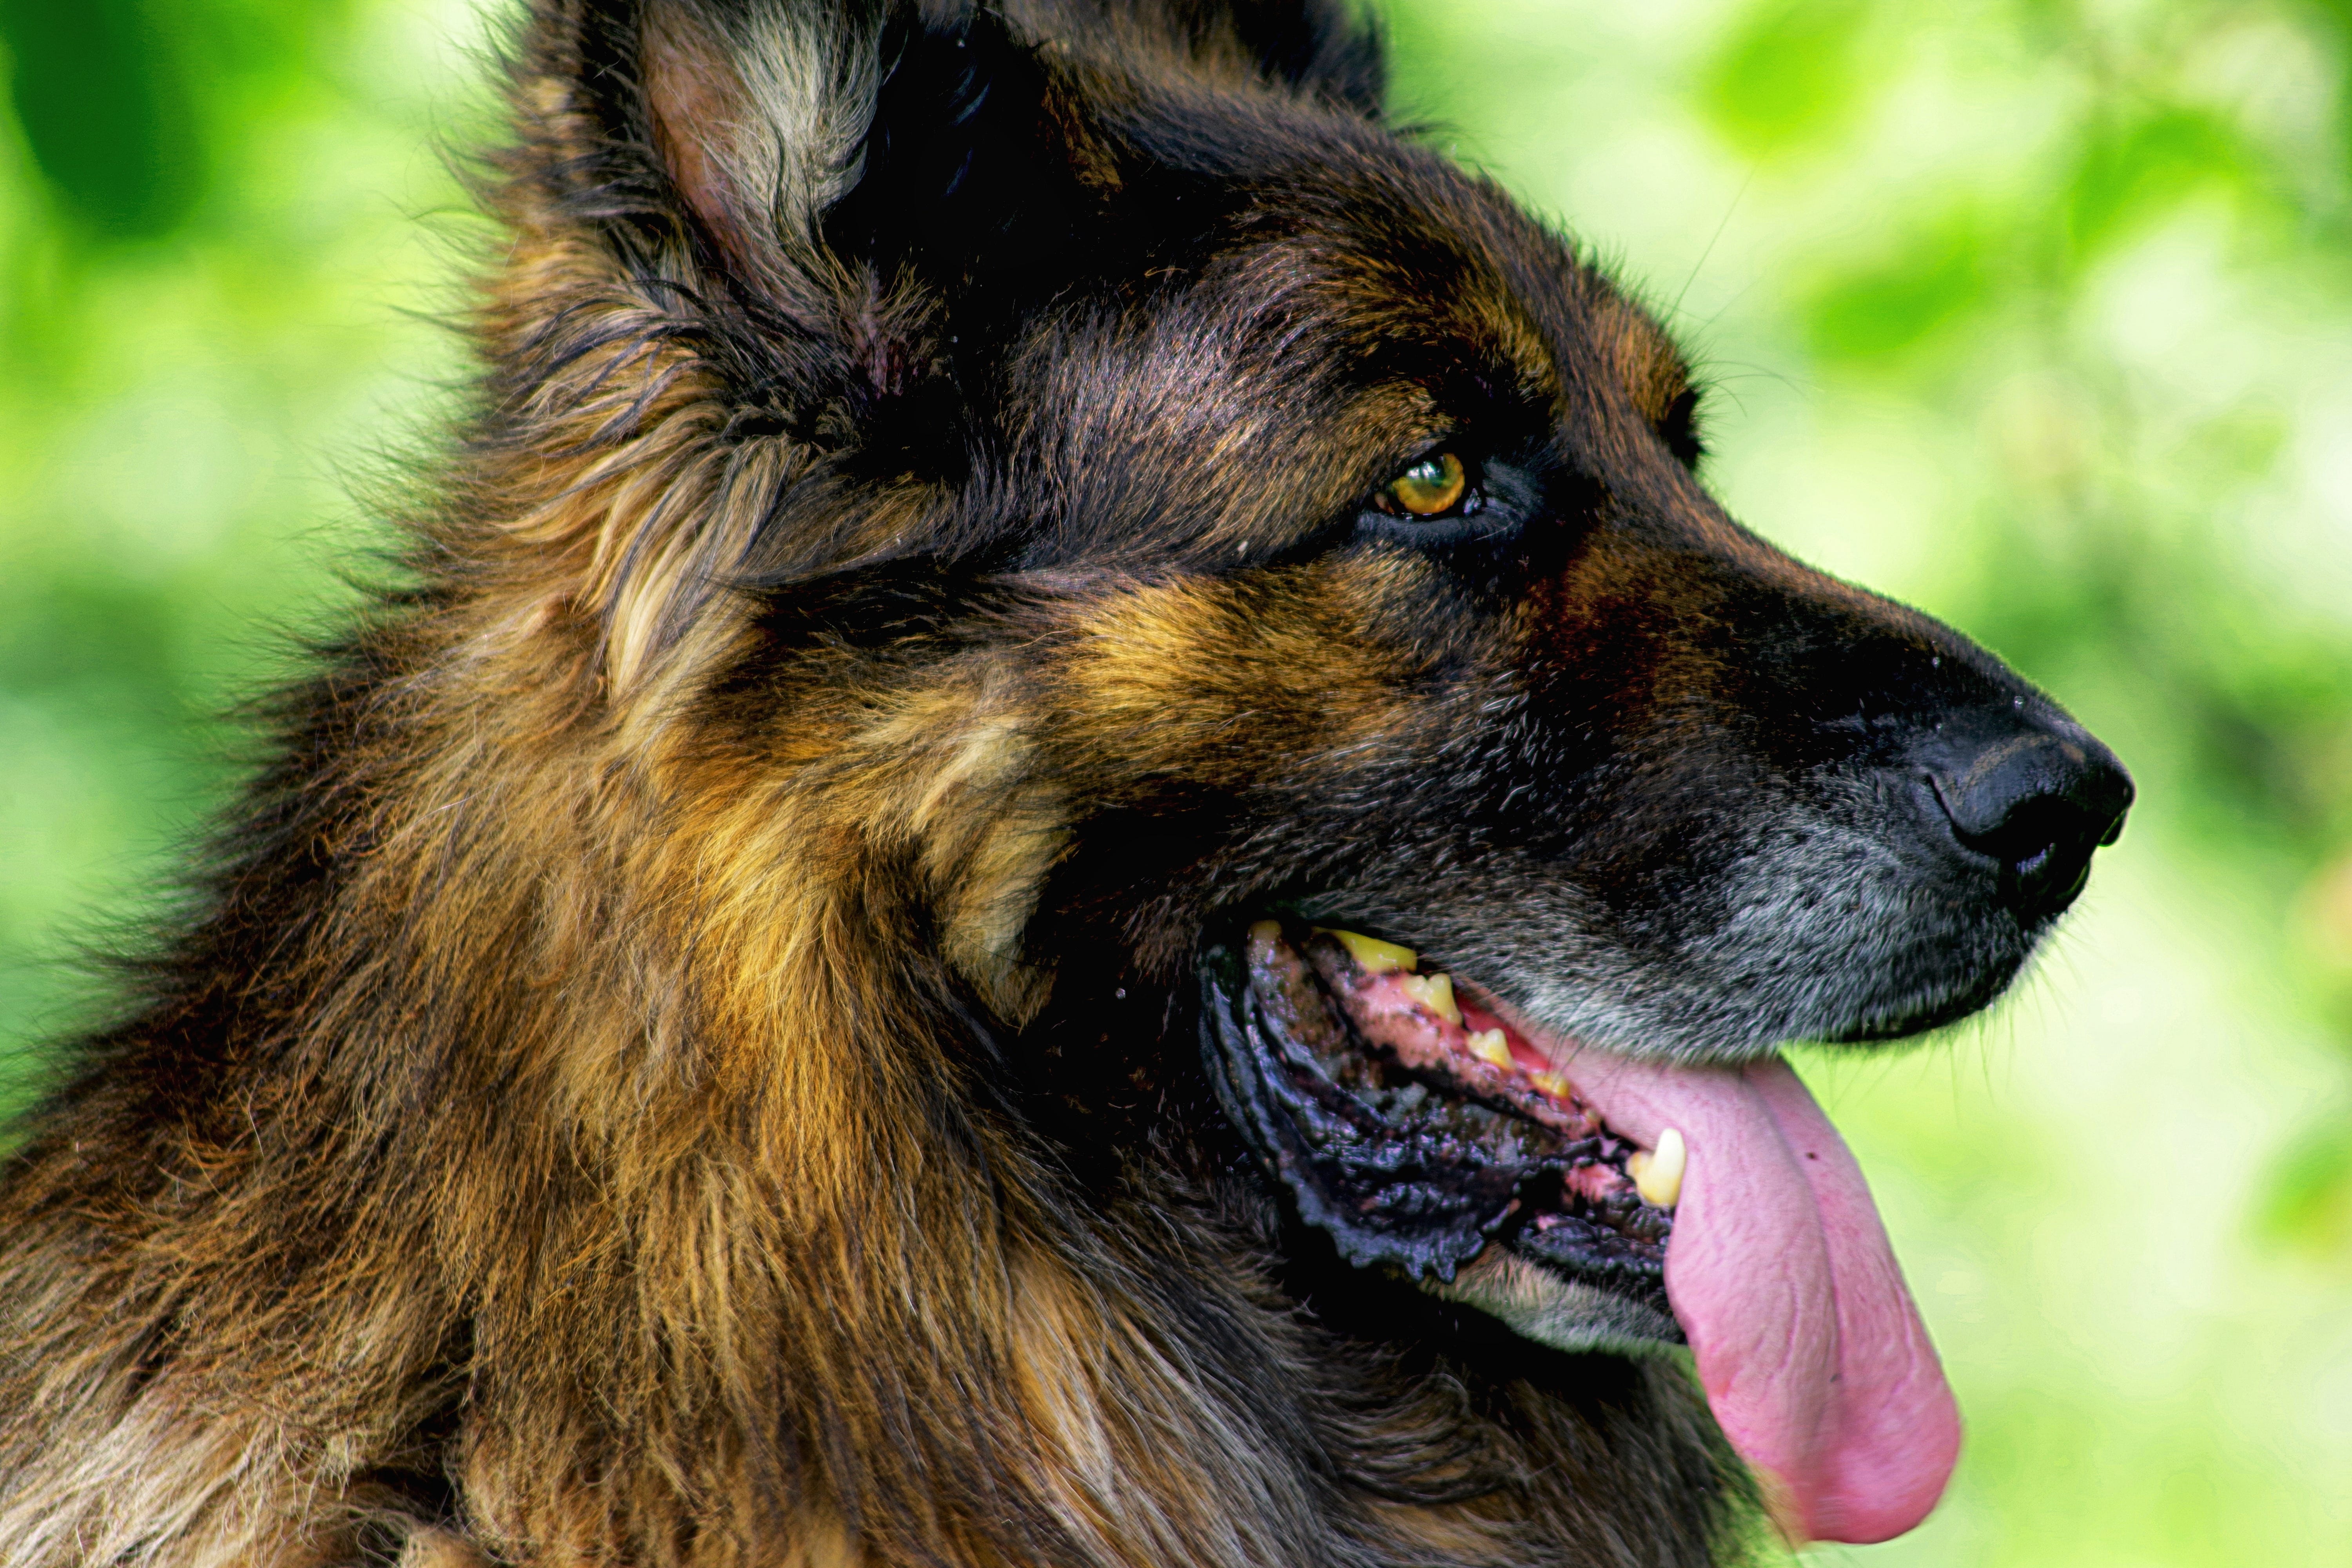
x=2038 y=796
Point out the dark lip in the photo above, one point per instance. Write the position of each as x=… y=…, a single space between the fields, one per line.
x=1924 y=1017
x=1348 y=1133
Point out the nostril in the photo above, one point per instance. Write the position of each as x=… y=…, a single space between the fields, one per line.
x=2025 y=837
x=2040 y=804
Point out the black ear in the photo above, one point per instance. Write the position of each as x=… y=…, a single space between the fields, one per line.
x=1328 y=48
x=801 y=158
x=994 y=137
x=984 y=170
x=936 y=133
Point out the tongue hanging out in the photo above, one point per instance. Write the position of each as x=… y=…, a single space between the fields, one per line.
x=1809 y=1347
x=1777 y=1269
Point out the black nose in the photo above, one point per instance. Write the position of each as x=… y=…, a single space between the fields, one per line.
x=2037 y=795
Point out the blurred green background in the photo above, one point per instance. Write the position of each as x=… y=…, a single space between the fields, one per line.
x=2037 y=314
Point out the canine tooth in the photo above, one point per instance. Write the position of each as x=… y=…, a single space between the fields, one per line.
x=1487 y=1046
x=1551 y=1083
x=1375 y=956
x=1658 y=1174
x=1435 y=992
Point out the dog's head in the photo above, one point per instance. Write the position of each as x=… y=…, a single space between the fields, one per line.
x=1248 y=590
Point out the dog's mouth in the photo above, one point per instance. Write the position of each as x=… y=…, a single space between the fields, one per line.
x=1416 y=1130
x=1594 y=1202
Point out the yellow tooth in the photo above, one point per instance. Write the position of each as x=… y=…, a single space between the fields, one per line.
x=1658 y=1174
x=1551 y=1083
x=1435 y=992
x=1375 y=956
x=1487 y=1046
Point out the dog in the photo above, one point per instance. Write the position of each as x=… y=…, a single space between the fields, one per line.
x=1074 y=842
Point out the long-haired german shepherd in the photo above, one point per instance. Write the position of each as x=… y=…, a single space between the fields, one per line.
x=1077 y=847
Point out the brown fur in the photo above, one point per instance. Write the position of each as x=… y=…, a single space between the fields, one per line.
x=668 y=1072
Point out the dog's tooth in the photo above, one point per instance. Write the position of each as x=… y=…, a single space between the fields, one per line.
x=1658 y=1172
x=1435 y=992
x=1552 y=1083
x=1375 y=956
x=1488 y=1046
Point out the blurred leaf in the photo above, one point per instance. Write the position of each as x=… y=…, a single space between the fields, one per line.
x=1938 y=276
x=104 y=105
x=2132 y=174
x=80 y=630
x=1786 y=76
x=2339 y=14
x=2308 y=1201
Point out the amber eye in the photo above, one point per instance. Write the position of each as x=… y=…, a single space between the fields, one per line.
x=1433 y=485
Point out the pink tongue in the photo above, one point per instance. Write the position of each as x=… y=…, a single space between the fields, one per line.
x=1809 y=1347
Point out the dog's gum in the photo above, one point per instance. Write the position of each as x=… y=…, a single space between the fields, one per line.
x=1596 y=1182
x=1393 y=1011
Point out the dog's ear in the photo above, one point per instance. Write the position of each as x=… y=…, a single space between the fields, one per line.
x=775 y=138
x=890 y=132
x=736 y=228
x=1328 y=49
x=759 y=115
x=727 y=127
x=763 y=249
x=819 y=183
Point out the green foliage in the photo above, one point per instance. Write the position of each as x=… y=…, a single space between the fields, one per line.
x=1925 y=282
x=2132 y=174
x=1787 y=74
x=2310 y=1198
x=102 y=99
x=188 y=370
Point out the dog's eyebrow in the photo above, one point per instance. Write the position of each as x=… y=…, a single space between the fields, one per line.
x=1648 y=365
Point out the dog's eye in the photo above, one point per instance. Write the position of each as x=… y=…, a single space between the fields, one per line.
x=1680 y=430
x=1431 y=487
x=1445 y=499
